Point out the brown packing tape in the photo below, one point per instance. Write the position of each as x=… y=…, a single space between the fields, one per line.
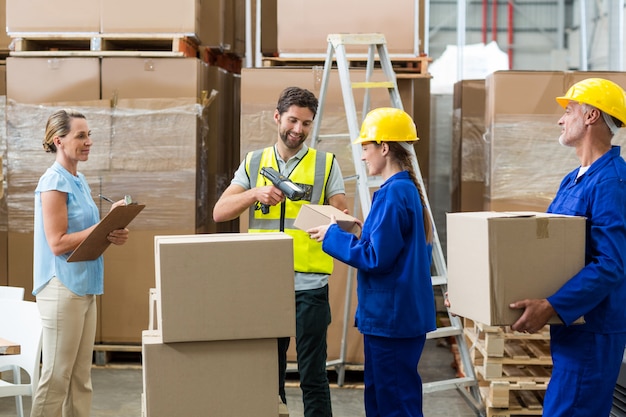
x=543 y=228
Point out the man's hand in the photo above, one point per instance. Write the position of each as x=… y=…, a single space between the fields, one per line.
x=536 y=314
x=269 y=195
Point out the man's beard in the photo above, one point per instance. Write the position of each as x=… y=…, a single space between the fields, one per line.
x=285 y=137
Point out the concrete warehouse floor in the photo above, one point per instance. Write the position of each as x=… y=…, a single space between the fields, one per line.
x=118 y=387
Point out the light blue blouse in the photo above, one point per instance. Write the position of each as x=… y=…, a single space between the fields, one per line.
x=86 y=277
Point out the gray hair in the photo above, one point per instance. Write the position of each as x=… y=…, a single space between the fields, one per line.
x=608 y=119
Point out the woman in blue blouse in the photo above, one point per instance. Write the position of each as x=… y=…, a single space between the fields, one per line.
x=396 y=306
x=65 y=213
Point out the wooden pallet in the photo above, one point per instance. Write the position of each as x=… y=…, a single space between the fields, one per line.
x=514 y=400
x=417 y=65
x=100 y=45
x=497 y=352
x=493 y=339
x=504 y=394
x=507 y=367
x=504 y=412
x=513 y=368
x=106 y=355
x=226 y=60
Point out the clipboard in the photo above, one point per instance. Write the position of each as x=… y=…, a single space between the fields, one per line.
x=96 y=242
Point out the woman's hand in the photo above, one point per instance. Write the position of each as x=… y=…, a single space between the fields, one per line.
x=118 y=203
x=118 y=236
x=319 y=233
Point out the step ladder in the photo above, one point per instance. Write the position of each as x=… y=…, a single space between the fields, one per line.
x=376 y=45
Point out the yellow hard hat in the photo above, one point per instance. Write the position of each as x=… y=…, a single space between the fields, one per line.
x=602 y=94
x=387 y=124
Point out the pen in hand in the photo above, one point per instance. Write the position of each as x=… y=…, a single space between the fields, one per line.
x=128 y=200
x=106 y=198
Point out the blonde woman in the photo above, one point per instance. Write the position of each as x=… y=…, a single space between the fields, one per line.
x=65 y=213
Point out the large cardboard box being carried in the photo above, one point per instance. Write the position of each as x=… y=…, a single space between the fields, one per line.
x=225 y=286
x=230 y=378
x=496 y=258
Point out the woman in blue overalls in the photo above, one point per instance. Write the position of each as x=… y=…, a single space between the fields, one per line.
x=396 y=306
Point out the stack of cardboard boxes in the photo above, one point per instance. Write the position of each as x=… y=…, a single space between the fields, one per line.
x=213 y=348
x=506 y=154
x=167 y=127
x=212 y=23
x=165 y=130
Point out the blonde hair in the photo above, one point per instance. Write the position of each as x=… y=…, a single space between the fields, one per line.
x=59 y=124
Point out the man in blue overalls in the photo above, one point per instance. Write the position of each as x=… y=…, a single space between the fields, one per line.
x=587 y=357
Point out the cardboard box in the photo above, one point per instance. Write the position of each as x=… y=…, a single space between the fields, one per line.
x=468 y=171
x=47 y=16
x=39 y=80
x=128 y=277
x=152 y=16
x=156 y=78
x=523 y=175
x=166 y=185
x=215 y=23
x=495 y=259
x=3 y=81
x=5 y=40
x=222 y=145
x=222 y=379
x=225 y=286
x=313 y=215
x=399 y=20
x=224 y=25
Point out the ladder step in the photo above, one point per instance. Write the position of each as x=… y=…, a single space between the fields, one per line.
x=374 y=84
x=373 y=182
x=444 y=332
x=356 y=39
x=334 y=136
x=438 y=280
x=447 y=384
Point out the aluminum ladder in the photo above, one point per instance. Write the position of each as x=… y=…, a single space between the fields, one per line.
x=376 y=45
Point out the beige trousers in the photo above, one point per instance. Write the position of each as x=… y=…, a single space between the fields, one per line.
x=69 y=331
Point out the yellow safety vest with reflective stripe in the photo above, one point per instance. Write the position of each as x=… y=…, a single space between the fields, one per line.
x=311 y=173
